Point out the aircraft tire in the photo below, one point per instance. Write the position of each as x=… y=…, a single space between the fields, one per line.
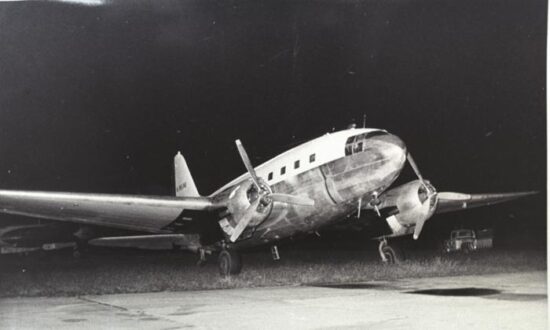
x=392 y=254
x=229 y=263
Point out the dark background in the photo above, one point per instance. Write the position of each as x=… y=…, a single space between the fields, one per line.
x=100 y=98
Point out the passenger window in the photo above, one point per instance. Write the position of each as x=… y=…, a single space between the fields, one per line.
x=297 y=164
x=270 y=176
x=311 y=158
x=283 y=170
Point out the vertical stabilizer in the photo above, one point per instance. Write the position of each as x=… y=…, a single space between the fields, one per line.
x=185 y=186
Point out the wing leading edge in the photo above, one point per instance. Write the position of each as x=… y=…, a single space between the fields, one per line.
x=454 y=201
x=142 y=213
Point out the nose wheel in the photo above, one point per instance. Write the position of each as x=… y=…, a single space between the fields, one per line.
x=389 y=253
x=229 y=262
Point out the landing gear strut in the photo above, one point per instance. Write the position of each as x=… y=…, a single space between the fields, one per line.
x=275 y=253
x=229 y=262
x=202 y=257
x=79 y=249
x=390 y=254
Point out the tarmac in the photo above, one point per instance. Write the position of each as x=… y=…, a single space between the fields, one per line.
x=499 y=301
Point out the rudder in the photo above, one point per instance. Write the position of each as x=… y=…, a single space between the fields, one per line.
x=184 y=183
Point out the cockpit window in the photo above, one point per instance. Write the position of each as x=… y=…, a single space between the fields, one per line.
x=355 y=144
x=358 y=147
x=349 y=149
x=375 y=133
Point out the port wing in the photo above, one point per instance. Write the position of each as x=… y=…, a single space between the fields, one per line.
x=142 y=213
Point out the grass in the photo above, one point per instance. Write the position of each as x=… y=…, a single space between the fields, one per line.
x=129 y=271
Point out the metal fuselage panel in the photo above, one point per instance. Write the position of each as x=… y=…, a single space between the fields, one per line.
x=370 y=166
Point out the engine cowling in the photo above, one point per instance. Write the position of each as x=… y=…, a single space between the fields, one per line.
x=240 y=200
x=414 y=203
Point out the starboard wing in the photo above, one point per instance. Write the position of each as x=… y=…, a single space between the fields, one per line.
x=453 y=201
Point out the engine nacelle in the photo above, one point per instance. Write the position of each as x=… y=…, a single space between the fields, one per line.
x=415 y=203
x=239 y=201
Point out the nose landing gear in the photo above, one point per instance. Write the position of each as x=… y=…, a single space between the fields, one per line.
x=374 y=202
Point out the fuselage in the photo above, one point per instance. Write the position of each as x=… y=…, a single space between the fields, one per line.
x=337 y=170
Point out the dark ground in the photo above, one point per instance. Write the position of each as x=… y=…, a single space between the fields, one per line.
x=128 y=271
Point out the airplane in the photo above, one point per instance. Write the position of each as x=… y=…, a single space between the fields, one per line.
x=312 y=186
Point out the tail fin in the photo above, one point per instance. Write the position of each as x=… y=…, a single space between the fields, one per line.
x=185 y=186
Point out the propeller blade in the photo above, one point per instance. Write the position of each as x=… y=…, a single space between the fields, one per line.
x=414 y=167
x=454 y=196
x=292 y=199
x=245 y=219
x=432 y=193
x=418 y=228
x=247 y=163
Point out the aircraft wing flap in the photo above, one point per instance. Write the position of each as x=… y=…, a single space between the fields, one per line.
x=144 y=213
x=453 y=201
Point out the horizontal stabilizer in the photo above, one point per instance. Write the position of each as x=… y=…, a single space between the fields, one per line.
x=151 y=242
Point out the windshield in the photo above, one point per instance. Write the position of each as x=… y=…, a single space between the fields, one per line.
x=355 y=144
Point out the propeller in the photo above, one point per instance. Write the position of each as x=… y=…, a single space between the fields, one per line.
x=415 y=168
x=418 y=228
x=247 y=163
x=245 y=219
x=430 y=191
x=265 y=196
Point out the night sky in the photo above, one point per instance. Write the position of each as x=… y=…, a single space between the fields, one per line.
x=100 y=98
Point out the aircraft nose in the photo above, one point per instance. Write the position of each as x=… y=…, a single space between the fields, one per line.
x=393 y=149
x=397 y=143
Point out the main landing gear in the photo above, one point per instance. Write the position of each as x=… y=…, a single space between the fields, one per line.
x=229 y=262
x=390 y=253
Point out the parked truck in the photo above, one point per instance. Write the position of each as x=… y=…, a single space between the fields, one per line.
x=467 y=240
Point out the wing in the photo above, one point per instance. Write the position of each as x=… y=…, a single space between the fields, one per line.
x=453 y=201
x=142 y=213
x=159 y=241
